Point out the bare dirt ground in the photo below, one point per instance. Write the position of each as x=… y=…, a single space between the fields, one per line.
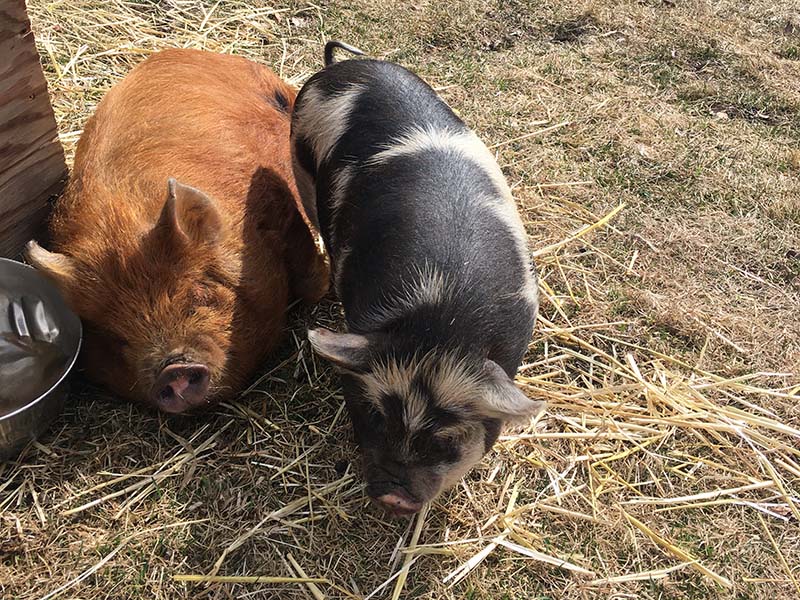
x=654 y=150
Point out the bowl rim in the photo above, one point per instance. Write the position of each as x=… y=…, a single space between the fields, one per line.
x=73 y=359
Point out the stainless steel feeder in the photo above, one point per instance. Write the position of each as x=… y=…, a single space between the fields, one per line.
x=39 y=342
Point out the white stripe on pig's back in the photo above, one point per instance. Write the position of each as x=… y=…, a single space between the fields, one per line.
x=322 y=119
x=466 y=144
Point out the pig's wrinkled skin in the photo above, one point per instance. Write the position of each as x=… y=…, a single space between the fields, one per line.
x=180 y=240
x=431 y=264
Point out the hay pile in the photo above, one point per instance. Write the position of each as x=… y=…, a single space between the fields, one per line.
x=651 y=474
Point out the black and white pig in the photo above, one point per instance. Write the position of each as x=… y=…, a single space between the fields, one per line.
x=431 y=264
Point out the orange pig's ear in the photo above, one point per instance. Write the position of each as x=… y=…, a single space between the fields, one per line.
x=60 y=268
x=190 y=215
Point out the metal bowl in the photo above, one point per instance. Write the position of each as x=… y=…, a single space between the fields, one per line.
x=39 y=342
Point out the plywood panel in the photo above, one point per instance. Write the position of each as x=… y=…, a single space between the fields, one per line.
x=32 y=164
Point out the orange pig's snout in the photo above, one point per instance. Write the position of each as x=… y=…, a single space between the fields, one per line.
x=181 y=386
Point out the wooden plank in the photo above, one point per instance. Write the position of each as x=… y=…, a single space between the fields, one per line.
x=32 y=167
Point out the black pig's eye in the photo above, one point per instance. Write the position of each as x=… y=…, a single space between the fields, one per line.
x=375 y=416
x=433 y=450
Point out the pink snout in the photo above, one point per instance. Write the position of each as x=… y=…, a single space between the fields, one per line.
x=399 y=503
x=181 y=386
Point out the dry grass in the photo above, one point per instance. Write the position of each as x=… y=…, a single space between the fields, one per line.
x=668 y=465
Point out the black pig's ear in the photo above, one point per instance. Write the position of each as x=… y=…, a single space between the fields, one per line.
x=348 y=351
x=503 y=399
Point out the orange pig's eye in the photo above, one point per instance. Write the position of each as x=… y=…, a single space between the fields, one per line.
x=204 y=295
x=201 y=293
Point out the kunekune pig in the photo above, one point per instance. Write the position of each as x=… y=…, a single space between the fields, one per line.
x=180 y=239
x=431 y=264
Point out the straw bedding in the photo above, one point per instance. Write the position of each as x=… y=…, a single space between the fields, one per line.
x=668 y=462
